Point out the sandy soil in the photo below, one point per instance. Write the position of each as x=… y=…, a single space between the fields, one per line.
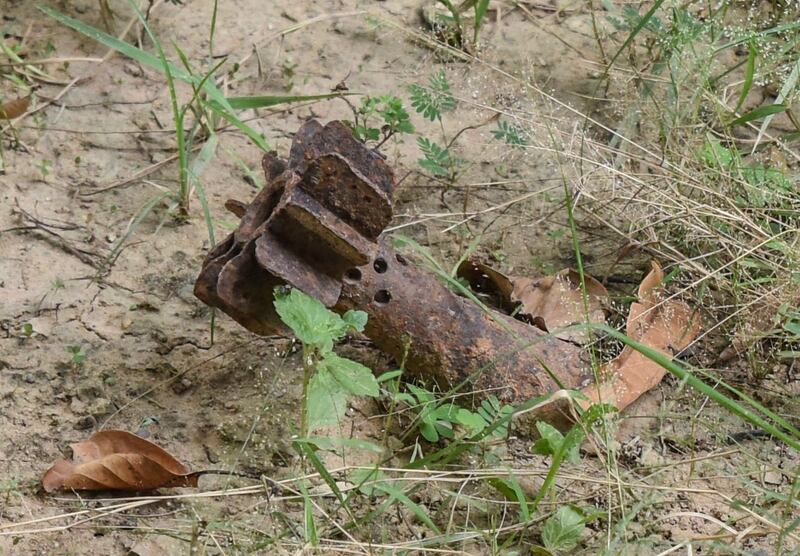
x=67 y=197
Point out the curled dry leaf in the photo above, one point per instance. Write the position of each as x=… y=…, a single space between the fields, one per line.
x=117 y=460
x=14 y=108
x=666 y=325
x=488 y=282
x=551 y=303
x=556 y=301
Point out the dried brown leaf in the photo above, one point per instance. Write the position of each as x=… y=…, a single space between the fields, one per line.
x=556 y=302
x=117 y=460
x=551 y=303
x=485 y=280
x=13 y=108
x=668 y=326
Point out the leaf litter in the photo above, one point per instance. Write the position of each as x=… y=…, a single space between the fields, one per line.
x=555 y=303
x=14 y=108
x=118 y=460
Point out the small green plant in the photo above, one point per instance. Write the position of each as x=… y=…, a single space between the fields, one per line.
x=563 y=530
x=44 y=167
x=204 y=112
x=788 y=321
x=10 y=488
x=437 y=160
x=77 y=355
x=437 y=419
x=328 y=379
x=289 y=71
x=433 y=100
x=454 y=25
x=28 y=331
x=512 y=134
x=761 y=186
x=551 y=441
x=391 y=111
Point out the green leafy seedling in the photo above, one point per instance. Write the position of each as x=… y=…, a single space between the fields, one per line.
x=77 y=354
x=512 y=134
x=435 y=98
x=437 y=160
x=551 y=442
x=328 y=379
x=390 y=108
x=563 y=530
x=437 y=419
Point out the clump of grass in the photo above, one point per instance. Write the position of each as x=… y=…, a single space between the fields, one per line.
x=452 y=23
x=706 y=180
x=207 y=108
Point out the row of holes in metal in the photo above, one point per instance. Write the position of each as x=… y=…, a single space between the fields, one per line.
x=381 y=297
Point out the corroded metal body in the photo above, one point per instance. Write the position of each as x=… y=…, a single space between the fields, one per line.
x=317 y=227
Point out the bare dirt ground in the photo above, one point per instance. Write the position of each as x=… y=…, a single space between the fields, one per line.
x=133 y=350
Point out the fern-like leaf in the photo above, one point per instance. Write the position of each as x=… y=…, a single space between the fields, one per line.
x=437 y=158
x=433 y=100
x=512 y=134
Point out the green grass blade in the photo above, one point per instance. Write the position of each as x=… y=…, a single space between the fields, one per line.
x=771 y=414
x=480 y=12
x=677 y=369
x=748 y=76
x=311 y=536
x=335 y=443
x=144 y=58
x=398 y=495
x=243 y=103
x=572 y=439
x=302 y=447
x=641 y=25
x=212 y=31
x=510 y=488
x=758 y=113
x=141 y=214
x=231 y=118
x=199 y=163
x=785 y=92
x=220 y=104
x=177 y=113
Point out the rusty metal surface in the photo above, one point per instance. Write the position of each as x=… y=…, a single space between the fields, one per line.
x=451 y=339
x=316 y=226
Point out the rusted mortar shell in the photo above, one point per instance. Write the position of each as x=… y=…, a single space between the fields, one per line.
x=450 y=339
x=316 y=227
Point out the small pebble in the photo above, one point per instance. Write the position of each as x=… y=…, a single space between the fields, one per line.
x=132 y=69
x=182 y=386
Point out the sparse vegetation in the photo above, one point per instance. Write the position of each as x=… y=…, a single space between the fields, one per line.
x=681 y=145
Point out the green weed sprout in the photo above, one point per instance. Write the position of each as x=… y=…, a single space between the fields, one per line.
x=432 y=101
x=328 y=379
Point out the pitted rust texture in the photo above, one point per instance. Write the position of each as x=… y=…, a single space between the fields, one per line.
x=316 y=227
x=450 y=338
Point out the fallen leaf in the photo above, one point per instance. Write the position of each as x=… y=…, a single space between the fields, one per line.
x=13 y=108
x=667 y=326
x=117 y=460
x=556 y=302
x=551 y=303
x=486 y=281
